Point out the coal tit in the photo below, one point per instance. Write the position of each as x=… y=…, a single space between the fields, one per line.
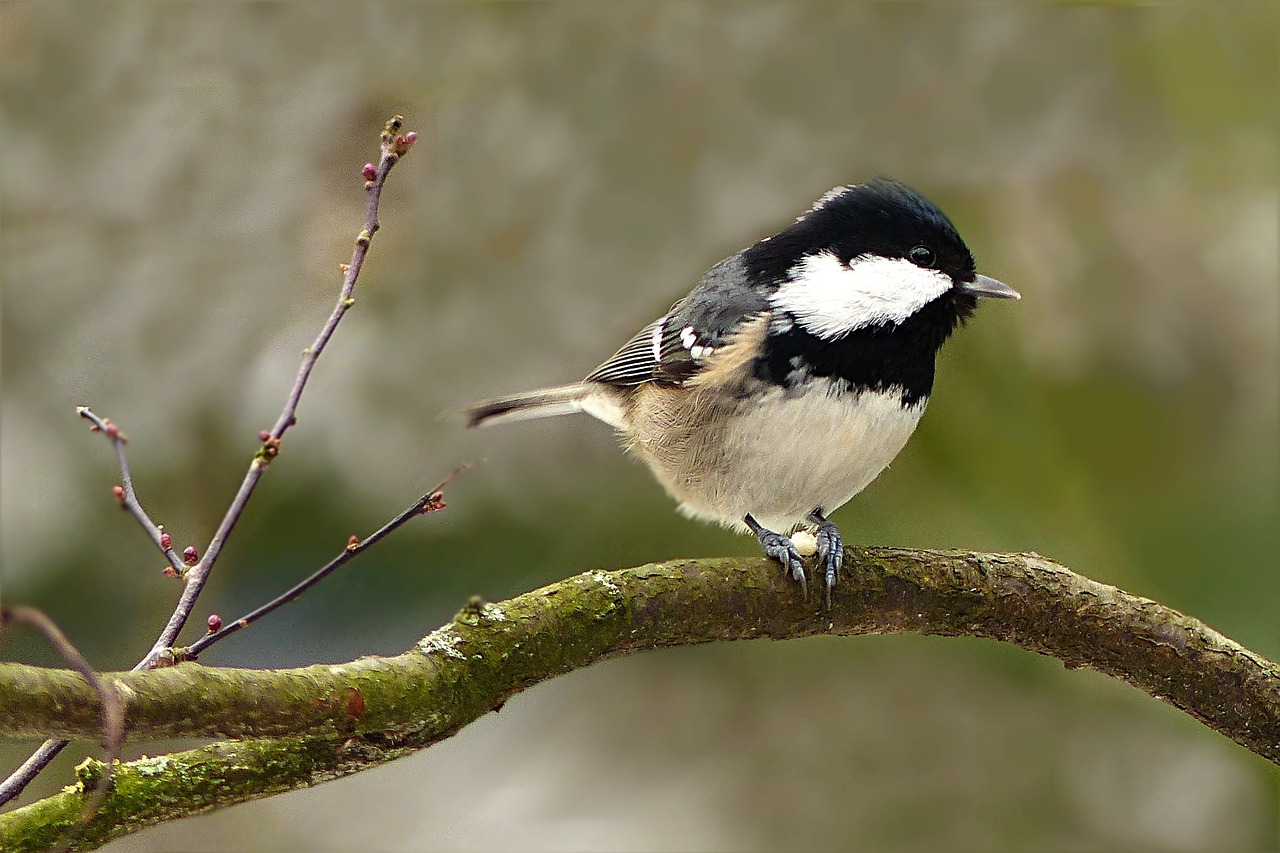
x=793 y=373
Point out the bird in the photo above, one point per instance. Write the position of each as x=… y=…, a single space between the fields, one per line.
x=792 y=374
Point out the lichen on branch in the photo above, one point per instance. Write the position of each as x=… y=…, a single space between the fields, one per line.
x=305 y=726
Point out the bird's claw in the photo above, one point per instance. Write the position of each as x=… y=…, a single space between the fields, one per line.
x=781 y=548
x=830 y=554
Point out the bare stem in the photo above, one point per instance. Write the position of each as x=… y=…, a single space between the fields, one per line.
x=112 y=712
x=393 y=146
x=129 y=500
x=17 y=781
x=430 y=502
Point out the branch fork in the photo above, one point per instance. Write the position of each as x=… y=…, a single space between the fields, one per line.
x=193 y=566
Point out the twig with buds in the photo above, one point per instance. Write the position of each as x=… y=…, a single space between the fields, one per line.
x=393 y=146
x=125 y=492
x=193 y=567
x=430 y=502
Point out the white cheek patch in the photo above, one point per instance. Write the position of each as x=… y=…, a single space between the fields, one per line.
x=830 y=299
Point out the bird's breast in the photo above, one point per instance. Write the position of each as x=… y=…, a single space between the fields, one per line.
x=778 y=455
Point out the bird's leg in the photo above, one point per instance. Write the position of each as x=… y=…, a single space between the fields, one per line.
x=780 y=548
x=830 y=549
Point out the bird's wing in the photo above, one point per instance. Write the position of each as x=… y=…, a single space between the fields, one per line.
x=677 y=346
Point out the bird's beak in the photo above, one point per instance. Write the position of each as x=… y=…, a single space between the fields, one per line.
x=984 y=285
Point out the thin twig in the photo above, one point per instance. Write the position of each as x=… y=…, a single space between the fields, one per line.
x=393 y=146
x=128 y=497
x=430 y=502
x=18 y=780
x=112 y=707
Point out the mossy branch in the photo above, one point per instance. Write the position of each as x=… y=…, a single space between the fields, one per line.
x=305 y=726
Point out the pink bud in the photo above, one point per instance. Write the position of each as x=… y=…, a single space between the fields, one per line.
x=166 y=541
x=118 y=491
x=369 y=171
x=403 y=142
x=215 y=623
x=170 y=572
x=111 y=430
x=190 y=555
x=264 y=436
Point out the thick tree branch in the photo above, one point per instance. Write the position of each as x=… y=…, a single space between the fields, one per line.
x=112 y=709
x=323 y=722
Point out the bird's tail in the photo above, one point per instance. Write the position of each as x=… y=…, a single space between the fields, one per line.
x=543 y=403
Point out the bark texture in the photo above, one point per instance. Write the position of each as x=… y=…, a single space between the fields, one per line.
x=299 y=727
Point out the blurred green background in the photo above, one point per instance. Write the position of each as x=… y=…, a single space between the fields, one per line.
x=180 y=181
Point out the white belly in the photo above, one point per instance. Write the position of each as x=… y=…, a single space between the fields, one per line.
x=784 y=456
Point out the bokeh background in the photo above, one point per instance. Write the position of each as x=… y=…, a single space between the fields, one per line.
x=180 y=181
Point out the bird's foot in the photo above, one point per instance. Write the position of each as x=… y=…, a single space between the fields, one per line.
x=830 y=550
x=780 y=548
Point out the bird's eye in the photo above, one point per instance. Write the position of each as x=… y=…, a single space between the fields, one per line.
x=921 y=256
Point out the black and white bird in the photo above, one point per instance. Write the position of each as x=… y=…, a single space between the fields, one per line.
x=793 y=373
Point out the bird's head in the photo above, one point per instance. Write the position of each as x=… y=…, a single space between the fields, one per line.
x=868 y=255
